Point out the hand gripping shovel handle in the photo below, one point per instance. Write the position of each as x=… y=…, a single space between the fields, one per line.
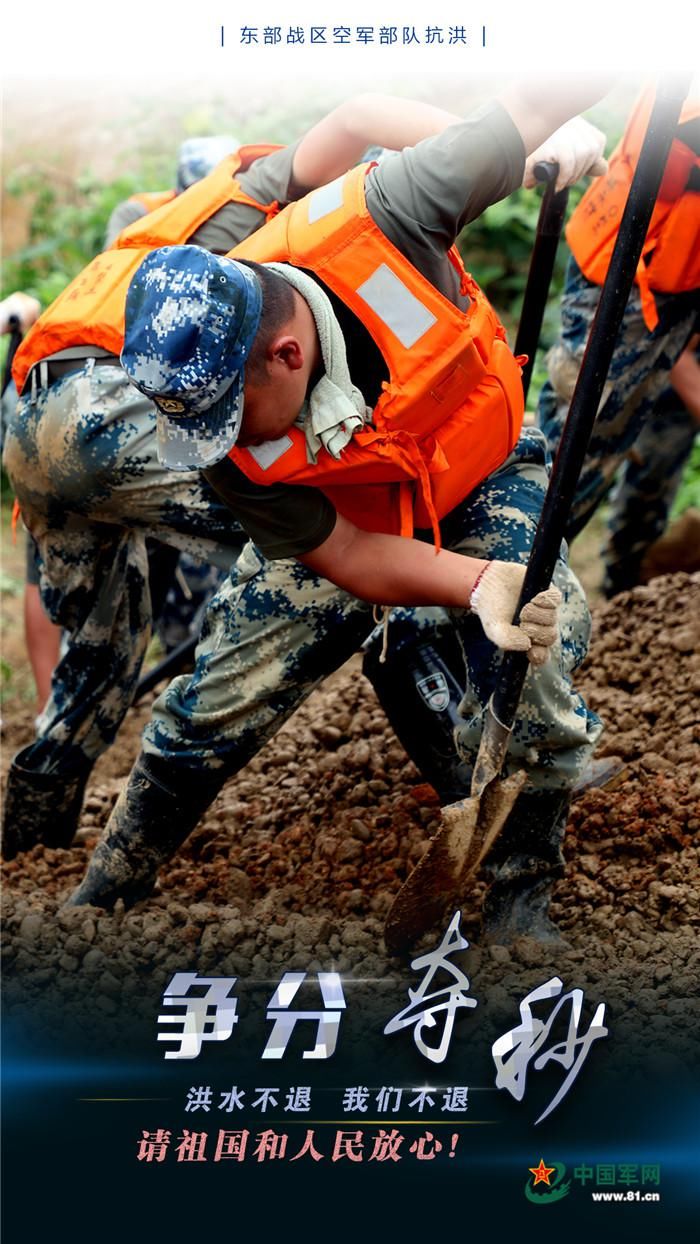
x=539 y=277
x=582 y=412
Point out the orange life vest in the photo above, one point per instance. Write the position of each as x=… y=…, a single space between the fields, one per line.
x=149 y=200
x=90 y=311
x=670 y=260
x=452 y=408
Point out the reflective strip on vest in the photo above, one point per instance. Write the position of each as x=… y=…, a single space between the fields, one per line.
x=267 y=454
x=326 y=200
x=396 y=306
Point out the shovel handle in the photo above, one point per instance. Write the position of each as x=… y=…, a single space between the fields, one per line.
x=592 y=375
x=539 y=277
x=15 y=341
x=546 y=171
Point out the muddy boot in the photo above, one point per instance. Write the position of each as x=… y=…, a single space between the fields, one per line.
x=420 y=686
x=158 y=808
x=524 y=864
x=40 y=808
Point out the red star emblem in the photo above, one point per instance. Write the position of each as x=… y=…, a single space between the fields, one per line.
x=541 y=1173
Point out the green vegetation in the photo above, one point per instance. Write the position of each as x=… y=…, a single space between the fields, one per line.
x=688 y=495
x=66 y=229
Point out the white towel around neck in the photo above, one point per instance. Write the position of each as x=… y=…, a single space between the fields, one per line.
x=335 y=408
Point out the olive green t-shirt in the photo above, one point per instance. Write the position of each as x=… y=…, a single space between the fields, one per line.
x=123 y=215
x=421 y=199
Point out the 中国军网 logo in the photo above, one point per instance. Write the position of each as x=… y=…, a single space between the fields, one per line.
x=547 y=1183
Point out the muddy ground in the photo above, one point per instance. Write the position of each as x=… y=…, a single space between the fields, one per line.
x=297 y=862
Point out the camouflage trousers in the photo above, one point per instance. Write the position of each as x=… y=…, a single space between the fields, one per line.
x=638 y=440
x=81 y=455
x=275 y=629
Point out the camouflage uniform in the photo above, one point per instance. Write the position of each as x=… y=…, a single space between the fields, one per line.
x=275 y=630
x=81 y=457
x=647 y=441
x=643 y=494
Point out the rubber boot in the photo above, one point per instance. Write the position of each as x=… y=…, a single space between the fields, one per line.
x=40 y=808
x=153 y=816
x=524 y=864
x=420 y=688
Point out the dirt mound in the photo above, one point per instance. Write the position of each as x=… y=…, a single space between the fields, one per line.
x=633 y=848
x=299 y=859
x=677 y=549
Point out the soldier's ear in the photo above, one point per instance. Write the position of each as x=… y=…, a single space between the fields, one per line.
x=287 y=351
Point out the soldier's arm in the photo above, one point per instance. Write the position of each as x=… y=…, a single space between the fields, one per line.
x=685 y=378
x=391 y=570
x=340 y=139
x=424 y=197
x=538 y=110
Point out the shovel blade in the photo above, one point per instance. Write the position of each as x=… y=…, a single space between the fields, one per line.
x=468 y=831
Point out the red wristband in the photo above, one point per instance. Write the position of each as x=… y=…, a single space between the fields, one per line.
x=477 y=581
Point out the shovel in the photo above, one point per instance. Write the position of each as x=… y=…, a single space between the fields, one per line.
x=171 y=664
x=544 y=251
x=470 y=826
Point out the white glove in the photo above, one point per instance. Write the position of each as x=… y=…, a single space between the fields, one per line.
x=494 y=599
x=21 y=305
x=577 y=147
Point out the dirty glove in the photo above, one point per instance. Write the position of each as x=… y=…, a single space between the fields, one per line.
x=577 y=147
x=494 y=599
x=24 y=307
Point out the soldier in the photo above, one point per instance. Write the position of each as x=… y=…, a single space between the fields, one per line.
x=381 y=423
x=196 y=158
x=647 y=483
x=645 y=441
x=81 y=454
